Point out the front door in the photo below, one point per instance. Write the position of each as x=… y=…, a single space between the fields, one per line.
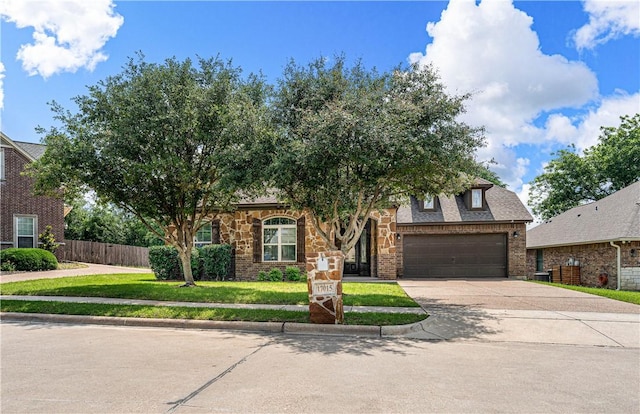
x=357 y=261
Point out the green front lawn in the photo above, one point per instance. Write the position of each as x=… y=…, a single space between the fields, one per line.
x=176 y=312
x=621 y=295
x=145 y=286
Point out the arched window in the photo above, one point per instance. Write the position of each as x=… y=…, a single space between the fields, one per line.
x=279 y=240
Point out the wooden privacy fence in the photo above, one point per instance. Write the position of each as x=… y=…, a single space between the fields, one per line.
x=103 y=253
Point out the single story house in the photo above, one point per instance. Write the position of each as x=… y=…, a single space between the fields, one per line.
x=480 y=233
x=600 y=239
x=24 y=216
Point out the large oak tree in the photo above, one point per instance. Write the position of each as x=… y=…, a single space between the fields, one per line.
x=354 y=140
x=171 y=143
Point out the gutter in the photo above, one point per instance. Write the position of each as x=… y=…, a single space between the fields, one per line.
x=617 y=264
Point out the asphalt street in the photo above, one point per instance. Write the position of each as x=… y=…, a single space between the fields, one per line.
x=61 y=368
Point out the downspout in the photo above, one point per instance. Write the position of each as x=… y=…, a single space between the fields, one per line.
x=617 y=264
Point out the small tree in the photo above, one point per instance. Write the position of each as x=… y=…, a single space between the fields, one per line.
x=48 y=240
x=170 y=143
x=355 y=140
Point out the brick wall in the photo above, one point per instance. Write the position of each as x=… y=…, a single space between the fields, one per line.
x=516 y=246
x=594 y=259
x=630 y=278
x=16 y=198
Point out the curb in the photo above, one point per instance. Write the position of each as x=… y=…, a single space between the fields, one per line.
x=294 y=328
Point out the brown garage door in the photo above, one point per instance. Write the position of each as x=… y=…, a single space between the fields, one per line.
x=451 y=256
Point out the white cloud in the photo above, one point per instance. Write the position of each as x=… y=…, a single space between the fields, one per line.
x=68 y=35
x=608 y=20
x=584 y=131
x=490 y=49
x=1 y=86
x=509 y=167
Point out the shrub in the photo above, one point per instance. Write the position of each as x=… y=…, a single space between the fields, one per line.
x=216 y=261
x=263 y=276
x=48 y=240
x=7 y=266
x=293 y=274
x=165 y=262
x=275 y=275
x=29 y=259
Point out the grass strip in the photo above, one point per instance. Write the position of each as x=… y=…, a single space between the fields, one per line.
x=145 y=286
x=212 y=314
x=621 y=295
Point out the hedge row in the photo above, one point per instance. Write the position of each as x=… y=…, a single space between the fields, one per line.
x=28 y=259
x=211 y=262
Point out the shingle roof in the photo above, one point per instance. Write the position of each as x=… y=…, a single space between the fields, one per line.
x=502 y=205
x=616 y=217
x=34 y=150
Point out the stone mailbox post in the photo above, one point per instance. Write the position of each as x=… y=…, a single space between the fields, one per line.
x=324 y=283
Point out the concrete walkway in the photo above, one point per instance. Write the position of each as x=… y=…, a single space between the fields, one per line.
x=518 y=311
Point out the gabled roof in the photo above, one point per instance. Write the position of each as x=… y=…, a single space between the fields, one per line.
x=614 y=218
x=502 y=205
x=34 y=150
x=27 y=150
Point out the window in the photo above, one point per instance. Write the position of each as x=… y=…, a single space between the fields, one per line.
x=279 y=240
x=539 y=261
x=429 y=203
x=25 y=231
x=1 y=163
x=204 y=235
x=476 y=198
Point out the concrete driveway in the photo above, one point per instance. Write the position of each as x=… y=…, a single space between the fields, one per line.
x=519 y=311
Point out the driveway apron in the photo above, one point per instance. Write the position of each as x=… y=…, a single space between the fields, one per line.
x=519 y=311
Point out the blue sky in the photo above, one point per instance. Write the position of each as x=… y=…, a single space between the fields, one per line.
x=544 y=74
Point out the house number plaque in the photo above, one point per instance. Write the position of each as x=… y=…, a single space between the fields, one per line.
x=324 y=288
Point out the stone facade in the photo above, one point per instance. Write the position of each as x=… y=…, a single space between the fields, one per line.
x=516 y=246
x=594 y=260
x=16 y=199
x=242 y=230
x=325 y=305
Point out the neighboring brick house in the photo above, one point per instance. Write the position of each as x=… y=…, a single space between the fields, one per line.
x=600 y=239
x=481 y=231
x=24 y=216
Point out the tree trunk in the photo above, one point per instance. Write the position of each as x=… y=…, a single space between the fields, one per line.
x=185 y=259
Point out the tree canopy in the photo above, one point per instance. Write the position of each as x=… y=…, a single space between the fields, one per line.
x=106 y=223
x=354 y=140
x=571 y=179
x=170 y=143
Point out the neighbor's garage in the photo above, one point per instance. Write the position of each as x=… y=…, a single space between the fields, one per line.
x=454 y=256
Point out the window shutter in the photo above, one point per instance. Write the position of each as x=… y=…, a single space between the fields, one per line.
x=215 y=232
x=300 y=234
x=256 y=229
